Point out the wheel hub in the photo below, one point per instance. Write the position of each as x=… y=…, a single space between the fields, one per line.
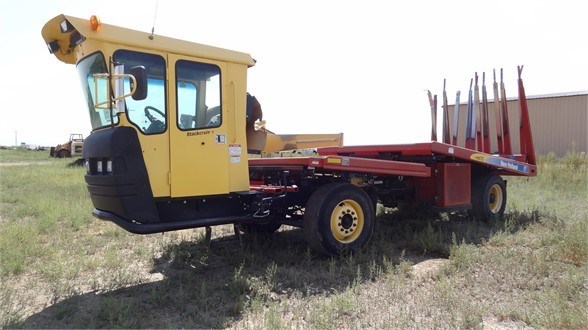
x=347 y=221
x=495 y=198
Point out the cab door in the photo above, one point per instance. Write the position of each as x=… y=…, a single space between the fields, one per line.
x=199 y=153
x=150 y=117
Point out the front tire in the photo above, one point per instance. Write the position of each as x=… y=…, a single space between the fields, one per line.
x=488 y=197
x=338 y=219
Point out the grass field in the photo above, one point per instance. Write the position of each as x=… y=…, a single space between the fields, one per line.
x=61 y=268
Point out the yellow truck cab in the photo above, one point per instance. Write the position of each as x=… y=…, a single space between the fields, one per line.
x=172 y=126
x=191 y=144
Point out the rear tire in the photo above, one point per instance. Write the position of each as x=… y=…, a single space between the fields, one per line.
x=338 y=219
x=488 y=197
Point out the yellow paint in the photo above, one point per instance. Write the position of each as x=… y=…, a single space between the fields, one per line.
x=358 y=182
x=495 y=202
x=238 y=170
x=347 y=221
x=479 y=157
x=334 y=160
x=111 y=34
x=199 y=165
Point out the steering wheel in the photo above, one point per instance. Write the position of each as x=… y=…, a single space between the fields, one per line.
x=156 y=126
x=150 y=116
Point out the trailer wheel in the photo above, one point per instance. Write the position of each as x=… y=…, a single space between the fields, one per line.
x=488 y=197
x=338 y=219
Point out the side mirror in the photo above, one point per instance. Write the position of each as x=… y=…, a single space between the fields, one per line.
x=140 y=74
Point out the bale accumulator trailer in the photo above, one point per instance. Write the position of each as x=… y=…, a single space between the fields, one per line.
x=173 y=126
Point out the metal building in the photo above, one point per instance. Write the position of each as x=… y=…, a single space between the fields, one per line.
x=559 y=122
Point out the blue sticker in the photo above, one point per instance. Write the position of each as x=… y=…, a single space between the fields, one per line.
x=500 y=162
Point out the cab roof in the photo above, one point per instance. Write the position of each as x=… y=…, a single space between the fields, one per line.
x=117 y=35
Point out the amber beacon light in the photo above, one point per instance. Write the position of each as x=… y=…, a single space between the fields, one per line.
x=95 y=23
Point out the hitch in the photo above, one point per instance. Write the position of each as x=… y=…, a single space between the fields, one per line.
x=263 y=212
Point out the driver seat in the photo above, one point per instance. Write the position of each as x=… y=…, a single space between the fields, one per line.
x=255 y=137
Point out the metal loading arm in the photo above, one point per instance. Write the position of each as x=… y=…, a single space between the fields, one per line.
x=260 y=139
x=284 y=142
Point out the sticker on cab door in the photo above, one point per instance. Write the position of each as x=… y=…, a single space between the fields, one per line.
x=220 y=139
x=235 y=153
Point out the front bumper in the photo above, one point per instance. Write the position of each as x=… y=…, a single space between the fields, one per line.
x=150 y=228
x=124 y=190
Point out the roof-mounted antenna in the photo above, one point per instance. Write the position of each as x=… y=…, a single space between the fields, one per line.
x=154 y=18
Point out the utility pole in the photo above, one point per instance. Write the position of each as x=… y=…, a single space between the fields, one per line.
x=16 y=138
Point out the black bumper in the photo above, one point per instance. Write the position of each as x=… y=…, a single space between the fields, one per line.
x=125 y=191
x=140 y=228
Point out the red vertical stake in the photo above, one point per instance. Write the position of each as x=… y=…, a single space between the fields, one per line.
x=470 y=139
x=456 y=119
x=446 y=134
x=433 y=104
x=478 y=118
x=485 y=126
x=434 y=137
x=498 y=116
x=527 y=147
x=505 y=123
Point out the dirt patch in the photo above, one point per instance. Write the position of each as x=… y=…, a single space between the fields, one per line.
x=493 y=323
x=428 y=268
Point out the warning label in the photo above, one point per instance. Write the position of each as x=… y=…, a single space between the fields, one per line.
x=235 y=153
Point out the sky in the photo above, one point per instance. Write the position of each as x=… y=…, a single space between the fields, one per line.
x=357 y=67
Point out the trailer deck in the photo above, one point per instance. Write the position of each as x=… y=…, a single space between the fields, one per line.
x=400 y=160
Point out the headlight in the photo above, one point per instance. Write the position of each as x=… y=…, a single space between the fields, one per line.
x=53 y=46
x=66 y=26
x=99 y=166
x=109 y=166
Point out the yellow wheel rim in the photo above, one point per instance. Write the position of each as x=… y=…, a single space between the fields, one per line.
x=347 y=221
x=495 y=198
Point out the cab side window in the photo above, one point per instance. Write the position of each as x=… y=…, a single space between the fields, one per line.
x=198 y=95
x=148 y=115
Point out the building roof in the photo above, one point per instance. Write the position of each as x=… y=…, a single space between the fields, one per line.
x=541 y=96
x=553 y=95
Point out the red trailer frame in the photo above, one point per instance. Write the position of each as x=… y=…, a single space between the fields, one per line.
x=438 y=175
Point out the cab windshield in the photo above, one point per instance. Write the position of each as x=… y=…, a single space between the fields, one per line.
x=87 y=67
